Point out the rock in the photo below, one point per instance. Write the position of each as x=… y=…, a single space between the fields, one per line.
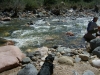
x=10 y=57
x=29 y=69
x=96 y=51
x=52 y=49
x=75 y=52
x=26 y=60
x=43 y=58
x=37 y=53
x=65 y=60
x=34 y=58
x=28 y=50
x=30 y=54
x=79 y=51
x=84 y=57
x=70 y=33
x=62 y=52
x=6 y=19
x=75 y=73
x=10 y=42
x=58 y=54
x=94 y=43
x=43 y=51
x=86 y=53
x=6 y=34
x=60 y=49
x=68 y=50
x=41 y=63
x=49 y=52
x=4 y=42
x=77 y=59
x=88 y=72
x=95 y=63
x=49 y=38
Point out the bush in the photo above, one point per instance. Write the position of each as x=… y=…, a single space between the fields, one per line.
x=49 y=2
x=87 y=0
x=30 y=4
x=75 y=0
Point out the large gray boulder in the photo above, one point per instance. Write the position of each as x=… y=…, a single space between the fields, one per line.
x=29 y=69
x=10 y=57
x=94 y=43
x=96 y=51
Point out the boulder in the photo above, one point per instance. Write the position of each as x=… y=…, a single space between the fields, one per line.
x=29 y=69
x=94 y=43
x=10 y=57
x=96 y=51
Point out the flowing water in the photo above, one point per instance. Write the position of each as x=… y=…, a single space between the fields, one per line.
x=46 y=31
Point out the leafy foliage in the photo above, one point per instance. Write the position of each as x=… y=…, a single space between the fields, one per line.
x=87 y=0
x=75 y=0
x=31 y=4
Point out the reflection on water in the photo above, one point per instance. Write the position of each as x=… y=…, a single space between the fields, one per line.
x=41 y=34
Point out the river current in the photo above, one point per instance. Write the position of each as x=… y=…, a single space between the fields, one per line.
x=47 y=31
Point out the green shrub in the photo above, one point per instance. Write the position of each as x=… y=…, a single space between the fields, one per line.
x=49 y=2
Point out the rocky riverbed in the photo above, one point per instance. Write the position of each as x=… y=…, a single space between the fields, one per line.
x=63 y=64
x=60 y=36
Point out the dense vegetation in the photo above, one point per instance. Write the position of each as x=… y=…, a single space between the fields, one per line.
x=31 y=4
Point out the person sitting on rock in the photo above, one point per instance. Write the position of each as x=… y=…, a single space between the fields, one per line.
x=92 y=30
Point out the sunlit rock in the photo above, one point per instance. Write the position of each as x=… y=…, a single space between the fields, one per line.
x=66 y=60
x=84 y=57
x=10 y=57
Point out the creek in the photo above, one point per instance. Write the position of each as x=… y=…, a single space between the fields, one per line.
x=46 y=31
